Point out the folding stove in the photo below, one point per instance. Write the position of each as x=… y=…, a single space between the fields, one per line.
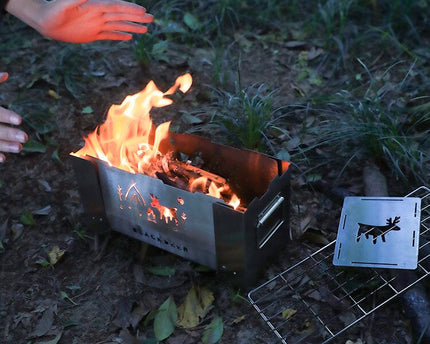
x=198 y=227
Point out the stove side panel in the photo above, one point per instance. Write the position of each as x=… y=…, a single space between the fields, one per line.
x=248 y=242
x=164 y=216
x=90 y=192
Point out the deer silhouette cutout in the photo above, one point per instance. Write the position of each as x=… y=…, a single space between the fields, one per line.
x=378 y=231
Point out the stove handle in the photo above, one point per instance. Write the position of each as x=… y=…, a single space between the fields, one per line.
x=264 y=216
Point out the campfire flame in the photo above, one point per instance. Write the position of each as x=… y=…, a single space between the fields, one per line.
x=123 y=140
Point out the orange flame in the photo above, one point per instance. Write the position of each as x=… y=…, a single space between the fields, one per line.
x=123 y=139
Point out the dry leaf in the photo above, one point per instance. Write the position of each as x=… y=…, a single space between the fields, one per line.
x=44 y=324
x=288 y=313
x=196 y=305
x=54 y=94
x=314 y=53
x=349 y=341
x=295 y=44
x=238 y=320
x=55 y=255
x=307 y=221
x=53 y=341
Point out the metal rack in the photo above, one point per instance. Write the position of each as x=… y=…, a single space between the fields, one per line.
x=315 y=301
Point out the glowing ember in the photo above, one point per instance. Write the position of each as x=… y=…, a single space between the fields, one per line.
x=123 y=141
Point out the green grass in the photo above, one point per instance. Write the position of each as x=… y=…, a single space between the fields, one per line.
x=245 y=116
x=368 y=89
x=371 y=122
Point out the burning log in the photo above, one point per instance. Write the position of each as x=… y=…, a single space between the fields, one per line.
x=129 y=141
x=185 y=169
x=182 y=175
x=186 y=176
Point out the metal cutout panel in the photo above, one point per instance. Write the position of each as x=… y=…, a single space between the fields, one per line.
x=380 y=232
x=314 y=301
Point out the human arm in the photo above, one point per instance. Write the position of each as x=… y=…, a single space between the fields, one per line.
x=11 y=139
x=82 y=21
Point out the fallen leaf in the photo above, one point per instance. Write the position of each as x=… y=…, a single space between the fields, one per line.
x=195 y=306
x=314 y=53
x=43 y=211
x=154 y=281
x=307 y=328
x=295 y=44
x=123 y=311
x=161 y=270
x=165 y=319
x=17 y=230
x=138 y=314
x=306 y=221
x=53 y=341
x=44 y=324
x=87 y=110
x=65 y=296
x=27 y=218
x=56 y=157
x=54 y=94
x=349 y=341
x=316 y=237
x=238 y=320
x=33 y=146
x=55 y=254
x=45 y=185
x=192 y=21
x=288 y=313
x=315 y=295
x=213 y=332
x=126 y=337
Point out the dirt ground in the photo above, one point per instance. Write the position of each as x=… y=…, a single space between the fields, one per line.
x=100 y=291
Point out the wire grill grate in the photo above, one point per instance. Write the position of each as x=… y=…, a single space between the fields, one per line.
x=315 y=301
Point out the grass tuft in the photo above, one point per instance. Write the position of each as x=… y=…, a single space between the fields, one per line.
x=245 y=115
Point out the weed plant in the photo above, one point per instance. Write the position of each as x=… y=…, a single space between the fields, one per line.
x=245 y=116
x=376 y=126
x=367 y=28
x=374 y=131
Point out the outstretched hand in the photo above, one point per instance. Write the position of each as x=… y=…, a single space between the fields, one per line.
x=11 y=139
x=83 y=21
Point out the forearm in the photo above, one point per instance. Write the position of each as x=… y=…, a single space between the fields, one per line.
x=28 y=11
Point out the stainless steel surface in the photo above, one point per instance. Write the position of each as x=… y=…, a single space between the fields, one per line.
x=248 y=172
x=266 y=232
x=91 y=195
x=314 y=301
x=193 y=225
x=136 y=205
x=381 y=232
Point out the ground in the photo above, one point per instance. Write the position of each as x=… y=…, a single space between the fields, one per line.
x=99 y=291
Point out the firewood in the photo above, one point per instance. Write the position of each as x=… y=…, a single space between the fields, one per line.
x=172 y=181
x=178 y=166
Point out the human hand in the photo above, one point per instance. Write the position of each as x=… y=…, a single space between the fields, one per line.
x=82 y=21
x=10 y=138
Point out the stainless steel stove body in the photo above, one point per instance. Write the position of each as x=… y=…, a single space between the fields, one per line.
x=196 y=226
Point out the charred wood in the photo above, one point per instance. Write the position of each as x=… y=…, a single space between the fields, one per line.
x=172 y=180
